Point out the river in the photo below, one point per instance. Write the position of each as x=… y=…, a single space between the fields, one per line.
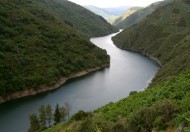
x=128 y=72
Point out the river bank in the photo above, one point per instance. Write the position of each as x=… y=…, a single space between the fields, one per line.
x=44 y=88
x=156 y=60
x=128 y=72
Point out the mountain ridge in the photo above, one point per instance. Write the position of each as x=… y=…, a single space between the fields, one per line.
x=78 y=17
x=110 y=14
x=125 y=15
x=140 y=15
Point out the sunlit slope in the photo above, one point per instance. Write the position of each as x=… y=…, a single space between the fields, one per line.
x=141 y=14
x=126 y=14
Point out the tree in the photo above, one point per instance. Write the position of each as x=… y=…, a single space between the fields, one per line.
x=67 y=109
x=42 y=115
x=49 y=114
x=62 y=113
x=57 y=115
x=34 y=123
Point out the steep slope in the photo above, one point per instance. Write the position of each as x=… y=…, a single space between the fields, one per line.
x=78 y=17
x=38 y=49
x=163 y=35
x=99 y=11
x=126 y=14
x=164 y=106
x=141 y=14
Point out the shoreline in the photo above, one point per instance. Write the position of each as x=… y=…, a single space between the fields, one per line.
x=156 y=60
x=45 y=88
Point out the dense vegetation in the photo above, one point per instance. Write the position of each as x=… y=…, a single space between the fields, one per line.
x=36 y=48
x=78 y=17
x=141 y=14
x=163 y=35
x=46 y=117
x=164 y=106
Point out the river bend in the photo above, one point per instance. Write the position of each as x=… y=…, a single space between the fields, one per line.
x=128 y=72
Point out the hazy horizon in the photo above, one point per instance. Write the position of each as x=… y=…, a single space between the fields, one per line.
x=114 y=3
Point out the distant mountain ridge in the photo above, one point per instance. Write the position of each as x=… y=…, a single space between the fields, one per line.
x=140 y=15
x=110 y=14
x=126 y=14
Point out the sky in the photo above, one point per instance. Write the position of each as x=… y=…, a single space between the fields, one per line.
x=114 y=3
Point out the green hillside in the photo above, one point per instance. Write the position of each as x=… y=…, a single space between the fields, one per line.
x=141 y=14
x=165 y=105
x=37 y=49
x=78 y=17
x=126 y=14
x=165 y=35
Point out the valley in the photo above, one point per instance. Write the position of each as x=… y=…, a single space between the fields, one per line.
x=137 y=79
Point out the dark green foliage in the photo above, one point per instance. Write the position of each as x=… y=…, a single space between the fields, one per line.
x=37 y=49
x=156 y=116
x=78 y=17
x=162 y=106
x=81 y=115
x=34 y=123
x=46 y=117
x=133 y=92
x=142 y=14
x=57 y=114
x=67 y=109
x=163 y=35
x=63 y=113
x=49 y=114
x=42 y=115
x=165 y=105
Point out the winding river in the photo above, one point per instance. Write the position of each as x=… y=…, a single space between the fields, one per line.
x=128 y=72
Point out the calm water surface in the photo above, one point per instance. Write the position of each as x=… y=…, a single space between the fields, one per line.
x=128 y=72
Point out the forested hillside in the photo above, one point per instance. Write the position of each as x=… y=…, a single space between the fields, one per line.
x=78 y=17
x=164 y=106
x=163 y=35
x=37 y=48
x=141 y=14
